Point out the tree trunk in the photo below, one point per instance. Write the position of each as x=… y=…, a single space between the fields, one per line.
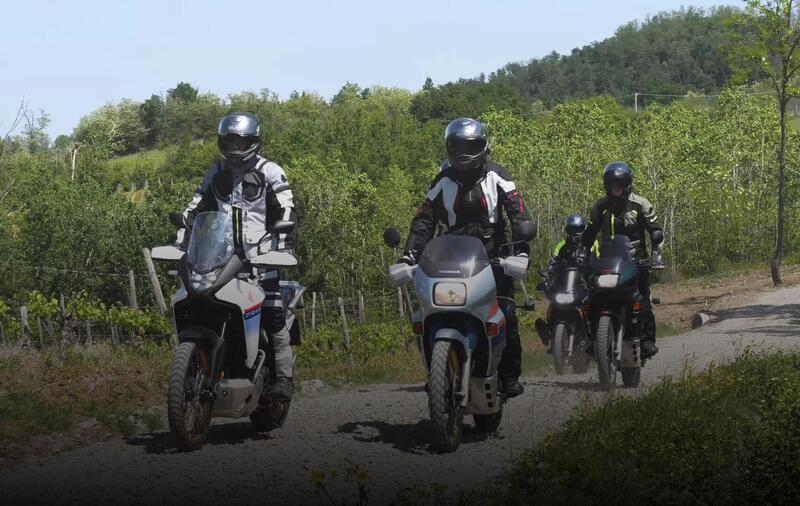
x=776 y=261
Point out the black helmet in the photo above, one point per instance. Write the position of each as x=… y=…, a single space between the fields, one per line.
x=574 y=225
x=239 y=136
x=618 y=174
x=467 y=144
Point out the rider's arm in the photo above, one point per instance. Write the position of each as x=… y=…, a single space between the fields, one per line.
x=423 y=225
x=592 y=228
x=651 y=224
x=280 y=205
x=202 y=201
x=511 y=200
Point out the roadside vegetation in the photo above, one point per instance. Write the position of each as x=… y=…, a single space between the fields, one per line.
x=729 y=435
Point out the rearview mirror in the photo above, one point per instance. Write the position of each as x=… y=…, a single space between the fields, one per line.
x=525 y=230
x=391 y=237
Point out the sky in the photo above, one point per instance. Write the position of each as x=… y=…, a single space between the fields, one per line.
x=70 y=58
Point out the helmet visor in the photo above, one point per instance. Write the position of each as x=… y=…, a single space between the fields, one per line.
x=236 y=144
x=468 y=147
x=572 y=230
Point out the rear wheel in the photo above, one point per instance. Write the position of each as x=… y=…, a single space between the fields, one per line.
x=447 y=414
x=560 y=344
x=488 y=423
x=189 y=401
x=604 y=353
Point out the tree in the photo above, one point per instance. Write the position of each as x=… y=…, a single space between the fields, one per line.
x=153 y=111
x=768 y=36
x=184 y=92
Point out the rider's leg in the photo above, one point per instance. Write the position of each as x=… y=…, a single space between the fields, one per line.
x=510 y=366
x=649 y=347
x=273 y=320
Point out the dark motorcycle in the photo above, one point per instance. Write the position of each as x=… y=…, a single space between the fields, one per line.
x=615 y=306
x=565 y=330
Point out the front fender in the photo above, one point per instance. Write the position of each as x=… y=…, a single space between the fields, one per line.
x=454 y=336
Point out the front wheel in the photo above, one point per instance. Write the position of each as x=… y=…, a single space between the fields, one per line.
x=631 y=376
x=447 y=414
x=604 y=353
x=560 y=343
x=189 y=400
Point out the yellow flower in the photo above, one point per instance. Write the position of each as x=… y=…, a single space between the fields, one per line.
x=361 y=475
x=316 y=477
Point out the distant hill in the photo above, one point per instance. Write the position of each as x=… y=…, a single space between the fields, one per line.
x=669 y=53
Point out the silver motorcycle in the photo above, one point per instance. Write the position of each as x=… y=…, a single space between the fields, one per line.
x=460 y=329
x=222 y=366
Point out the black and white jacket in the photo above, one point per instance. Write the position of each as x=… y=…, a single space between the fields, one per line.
x=255 y=195
x=470 y=207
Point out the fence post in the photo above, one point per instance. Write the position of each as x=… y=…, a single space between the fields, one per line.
x=350 y=363
x=88 y=331
x=41 y=336
x=151 y=271
x=2 y=333
x=400 y=311
x=132 y=290
x=324 y=313
x=26 y=328
x=314 y=312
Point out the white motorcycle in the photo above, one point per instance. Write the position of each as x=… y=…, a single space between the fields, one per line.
x=222 y=366
x=460 y=328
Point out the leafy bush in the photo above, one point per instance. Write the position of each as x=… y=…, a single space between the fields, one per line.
x=729 y=435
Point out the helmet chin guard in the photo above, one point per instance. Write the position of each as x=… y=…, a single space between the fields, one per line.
x=239 y=137
x=467 y=144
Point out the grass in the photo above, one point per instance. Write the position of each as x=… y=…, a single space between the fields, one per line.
x=52 y=391
x=728 y=435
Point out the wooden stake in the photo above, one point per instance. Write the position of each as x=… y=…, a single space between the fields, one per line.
x=314 y=312
x=132 y=290
x=151 y=271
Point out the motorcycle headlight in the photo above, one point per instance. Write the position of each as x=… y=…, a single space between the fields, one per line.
x=565 y=298
x=202 y=282
x=449 y=294
x=608 y=280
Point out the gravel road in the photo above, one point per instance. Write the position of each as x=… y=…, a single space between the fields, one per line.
x=382 y=429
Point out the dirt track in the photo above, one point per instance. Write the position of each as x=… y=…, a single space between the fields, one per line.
x=383 y=429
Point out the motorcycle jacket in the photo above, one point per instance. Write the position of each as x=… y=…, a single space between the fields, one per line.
x=633 y=217
x=470 y=206
x=256 y=195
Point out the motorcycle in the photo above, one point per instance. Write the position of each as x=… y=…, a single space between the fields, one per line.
x=223 y=363
x=460 y=329
x=565 y=330
x=615 y=306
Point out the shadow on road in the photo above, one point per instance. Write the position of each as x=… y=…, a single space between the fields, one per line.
x=223 y=434
x=406 y=437
x=790 y=312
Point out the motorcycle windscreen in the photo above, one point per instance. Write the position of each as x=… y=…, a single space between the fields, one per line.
x=211 y=243
x=614 y=254
x=454 y=256
x=567 y=281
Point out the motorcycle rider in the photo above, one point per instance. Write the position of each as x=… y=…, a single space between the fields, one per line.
x=574 y=226
x=623 y=212
x=466 y=198
x=256 y=193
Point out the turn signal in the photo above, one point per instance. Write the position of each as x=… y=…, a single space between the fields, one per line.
x=492 y=329
x=637 y=306
x=417 y=326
